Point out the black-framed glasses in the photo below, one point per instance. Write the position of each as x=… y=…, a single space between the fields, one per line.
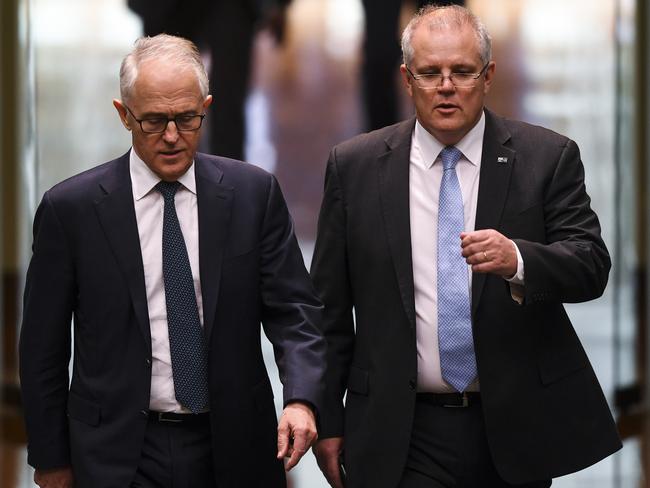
x=156 y=125
x=429 y=81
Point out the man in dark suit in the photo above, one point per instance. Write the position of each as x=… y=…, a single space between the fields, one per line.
x=454 y=239
x=168 y=260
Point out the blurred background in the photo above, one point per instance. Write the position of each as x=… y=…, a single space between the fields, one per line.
x=576 y=66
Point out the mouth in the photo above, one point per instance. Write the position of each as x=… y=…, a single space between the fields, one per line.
x=446 y=108
x=170 y=153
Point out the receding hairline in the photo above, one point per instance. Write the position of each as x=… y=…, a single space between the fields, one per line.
x=438 y=17
x=156 y=64
x=163 y=48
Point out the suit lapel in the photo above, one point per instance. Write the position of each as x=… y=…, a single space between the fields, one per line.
x=214 y=207
x=394 y=196
x=116 y=213
x=496 y=168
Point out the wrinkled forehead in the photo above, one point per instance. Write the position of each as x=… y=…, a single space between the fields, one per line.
x=166 y=78
x=163 y=68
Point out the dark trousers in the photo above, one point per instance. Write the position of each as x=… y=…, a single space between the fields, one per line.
x=449 y=449
x=176 y=455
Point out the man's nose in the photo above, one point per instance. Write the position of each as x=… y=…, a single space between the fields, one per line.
x=446 y=84
x=171 y=132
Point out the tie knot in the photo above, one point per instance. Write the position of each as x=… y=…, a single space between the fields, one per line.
x=450 y=155
x=168 y=189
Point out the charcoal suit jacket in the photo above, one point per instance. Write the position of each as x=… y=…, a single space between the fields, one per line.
x=545 y=413
x=87 y=265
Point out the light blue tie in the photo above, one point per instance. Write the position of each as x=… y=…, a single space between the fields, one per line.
x=457 y=360
x=186 y=341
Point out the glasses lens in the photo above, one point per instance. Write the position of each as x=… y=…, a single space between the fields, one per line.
x=188 y=122
x=430 y=80
x=463 y=79
x=182 y=122
x=154 y=125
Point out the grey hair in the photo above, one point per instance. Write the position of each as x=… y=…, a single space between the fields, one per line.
x=442 y=15
x=179 y=52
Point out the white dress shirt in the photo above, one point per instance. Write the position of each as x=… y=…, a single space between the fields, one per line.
x=149 y=207
x=425 y=175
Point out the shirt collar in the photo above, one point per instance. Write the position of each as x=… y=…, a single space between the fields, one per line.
x=144 y=180
x=471 y=145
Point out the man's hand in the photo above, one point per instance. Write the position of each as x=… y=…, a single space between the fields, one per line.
x=488 y=251
x=296 y=432
x=54 y=478
x=328 y=453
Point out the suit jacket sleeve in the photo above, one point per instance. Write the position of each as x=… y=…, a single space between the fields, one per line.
x=330 y=275
x=573 y=264
x=45 y=341
x=291 y=309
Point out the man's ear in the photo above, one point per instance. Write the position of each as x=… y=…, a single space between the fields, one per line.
x=122 y=112
x=406 y=79
x=207 y=102
x=489 y=76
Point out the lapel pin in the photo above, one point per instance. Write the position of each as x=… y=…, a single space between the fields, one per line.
x=502 y=159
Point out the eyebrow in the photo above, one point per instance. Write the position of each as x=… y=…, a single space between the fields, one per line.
x=454 y=68
x=164 y=115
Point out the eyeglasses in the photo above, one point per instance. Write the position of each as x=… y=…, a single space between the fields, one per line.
x=156 y=125
x=429 y=81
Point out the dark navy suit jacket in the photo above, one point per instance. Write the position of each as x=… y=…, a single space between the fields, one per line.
x=87 y=265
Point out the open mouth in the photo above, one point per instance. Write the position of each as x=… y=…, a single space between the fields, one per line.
x=170 y=154
x=446 y=108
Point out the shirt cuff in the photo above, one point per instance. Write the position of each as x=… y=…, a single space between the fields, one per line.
x=516 y=281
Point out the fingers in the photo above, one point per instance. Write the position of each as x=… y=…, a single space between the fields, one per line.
x=328 y=453
x=489 y=251
x=296 y=433
x=479 y=249
x=301 y=442
x=332 y=472
x=54 y=478
x=473 y=242
x=283 y=438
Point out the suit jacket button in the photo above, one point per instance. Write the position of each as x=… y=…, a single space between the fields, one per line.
x=148 y=361
x=144 y=412
x=412 y=384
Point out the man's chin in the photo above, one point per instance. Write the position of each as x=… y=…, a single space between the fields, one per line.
x=171 y=170
x=446 y=133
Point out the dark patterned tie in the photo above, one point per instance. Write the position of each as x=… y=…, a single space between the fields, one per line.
x=457 y=360
x=186 y=341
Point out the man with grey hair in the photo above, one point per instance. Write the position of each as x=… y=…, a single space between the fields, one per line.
x=447 y=245
x=168 y=260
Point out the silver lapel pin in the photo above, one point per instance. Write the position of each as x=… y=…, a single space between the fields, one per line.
x=502 y=159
